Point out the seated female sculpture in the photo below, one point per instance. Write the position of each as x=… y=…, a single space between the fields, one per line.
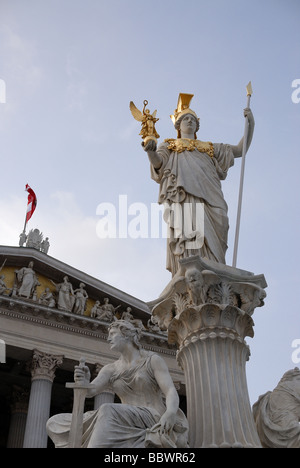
x=277 y=413
x=143 y=418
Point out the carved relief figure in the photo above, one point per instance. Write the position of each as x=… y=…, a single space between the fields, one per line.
x=153 y=326
x=277 y=413
x=127 y=315
x=3 y=286
x=148 y=415
x=195 y=286
x=106 y=311
x=26 y=282
x=47 y=298
x=65 y=292
x=189 y=172
x=207 y=286
x=95 y=309
x=81 y=297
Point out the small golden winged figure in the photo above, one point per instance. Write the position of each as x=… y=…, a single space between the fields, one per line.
x=148 y=131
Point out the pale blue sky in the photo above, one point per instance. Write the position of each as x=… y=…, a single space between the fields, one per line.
x=72 y=66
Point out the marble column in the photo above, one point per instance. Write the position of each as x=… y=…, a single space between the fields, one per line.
x=43 y=367
x=207 y=311
x=19 y=410
x=213 y=355
x=104 y=397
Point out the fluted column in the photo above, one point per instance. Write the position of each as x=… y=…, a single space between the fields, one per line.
x=43 y=367
x=213 y=354
x=19 y=410
x=105 y=397
x=207 y=309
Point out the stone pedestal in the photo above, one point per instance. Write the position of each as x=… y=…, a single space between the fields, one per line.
x=207 y=310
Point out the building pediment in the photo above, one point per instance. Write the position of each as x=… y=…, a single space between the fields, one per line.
x=50 y=318
x=49 y=269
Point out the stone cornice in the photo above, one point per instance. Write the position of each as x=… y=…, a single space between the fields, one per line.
x=55 y=269
x=37 y=314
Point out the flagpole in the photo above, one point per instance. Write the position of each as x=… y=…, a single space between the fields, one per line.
x=25 y=223
x=238 y=217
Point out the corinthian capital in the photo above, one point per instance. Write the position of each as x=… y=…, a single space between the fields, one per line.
x=43 y=365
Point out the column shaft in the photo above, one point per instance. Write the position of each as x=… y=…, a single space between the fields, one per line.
x=218 y=405
x=43 y=367
x=38 y=414
x=17 y=429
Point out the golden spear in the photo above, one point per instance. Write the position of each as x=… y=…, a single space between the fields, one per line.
x=238 y=217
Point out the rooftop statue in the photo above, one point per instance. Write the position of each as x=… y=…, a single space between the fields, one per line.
x=22 y=239
x=34 y=239
x=45 y=245
x=189 y=172
x=148 y=415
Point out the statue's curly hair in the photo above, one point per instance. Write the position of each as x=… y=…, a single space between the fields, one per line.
x=128 y=330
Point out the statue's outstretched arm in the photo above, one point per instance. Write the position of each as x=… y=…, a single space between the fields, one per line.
x=238 y=149
x=154 y=157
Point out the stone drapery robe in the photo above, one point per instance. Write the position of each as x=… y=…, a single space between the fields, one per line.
x=191 y=173
x=133 y=423
x=277 y=416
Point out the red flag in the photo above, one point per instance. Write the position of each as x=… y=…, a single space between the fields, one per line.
x=31 y=204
